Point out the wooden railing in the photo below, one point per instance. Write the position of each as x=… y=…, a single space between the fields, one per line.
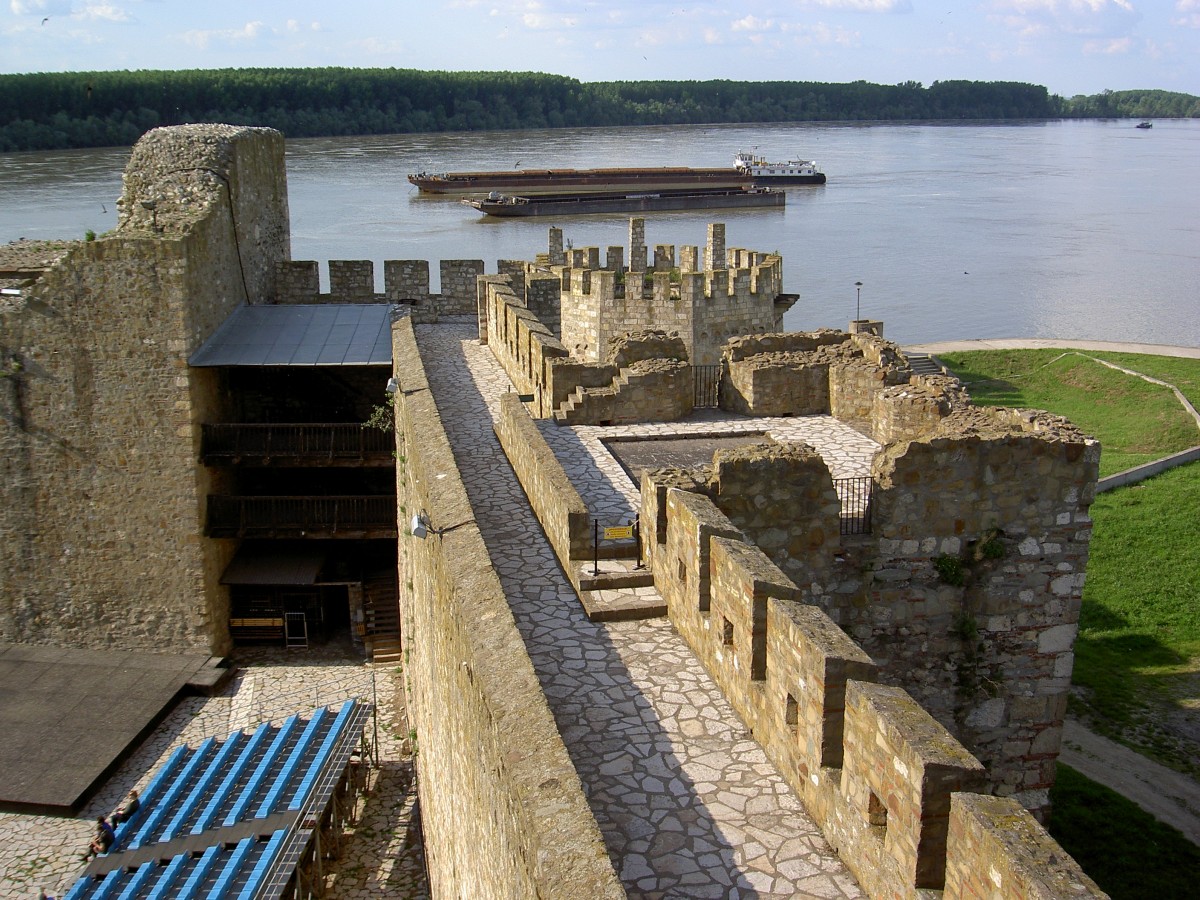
x=326 y=516
x=315 y=440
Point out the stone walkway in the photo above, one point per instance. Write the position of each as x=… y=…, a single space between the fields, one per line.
x=381 y=858
x=687 y=802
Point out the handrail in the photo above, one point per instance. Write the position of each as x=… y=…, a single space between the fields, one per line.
x=330 y=513
x=329 y=439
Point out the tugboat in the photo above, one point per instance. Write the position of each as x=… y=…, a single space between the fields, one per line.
x=794 y=171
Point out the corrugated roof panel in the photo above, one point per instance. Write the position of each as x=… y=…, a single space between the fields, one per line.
x=317 y=335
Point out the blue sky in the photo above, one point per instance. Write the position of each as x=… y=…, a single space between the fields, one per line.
x=1070 y=46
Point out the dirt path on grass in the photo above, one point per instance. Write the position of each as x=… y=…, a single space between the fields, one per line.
x=1169 y=796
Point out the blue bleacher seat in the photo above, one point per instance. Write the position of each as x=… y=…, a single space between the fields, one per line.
x=155 y=818
x=231 y=870
x=264 y=767
x=233 y=777
x=303 y=747
x=322 y=754
x=205 y=784
x=263 y=868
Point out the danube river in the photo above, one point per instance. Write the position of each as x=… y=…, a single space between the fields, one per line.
x=1073 y=229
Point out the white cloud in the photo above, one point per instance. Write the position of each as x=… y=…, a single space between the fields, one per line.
x=752 y=23
x=105 y=11
x=1192 y=19
x=1062 y=7
x=204 y=39
x=1093 y=18
x=1108 y=48
x=877 y=6
x=41 y=7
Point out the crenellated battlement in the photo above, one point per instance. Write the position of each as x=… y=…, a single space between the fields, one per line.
x=706 y=297
x=405 y=281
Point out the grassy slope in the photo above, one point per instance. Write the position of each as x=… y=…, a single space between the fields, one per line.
x=1128 y=852
x=1137 y=658
x=1135 y=421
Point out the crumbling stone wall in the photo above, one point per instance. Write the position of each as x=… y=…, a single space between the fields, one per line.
x=502 y=809
x=811 y=373
x=101 y=499
x=967 y=590
x=875 y=769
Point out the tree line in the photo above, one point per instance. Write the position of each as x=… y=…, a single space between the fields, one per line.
x=47 y=111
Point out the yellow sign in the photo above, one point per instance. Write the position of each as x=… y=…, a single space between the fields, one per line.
x=621 y=532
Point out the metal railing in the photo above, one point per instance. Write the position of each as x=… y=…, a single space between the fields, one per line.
x=328 y=440
x=707 y=386
x=856 y=495
x=235 y=516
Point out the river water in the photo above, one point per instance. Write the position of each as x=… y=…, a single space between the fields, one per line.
x=1081 y=229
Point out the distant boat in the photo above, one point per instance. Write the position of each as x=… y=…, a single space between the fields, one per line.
x=1145 y=124
x=766 y=174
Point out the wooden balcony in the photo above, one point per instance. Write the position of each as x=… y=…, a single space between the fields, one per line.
x=370 y=516
x=323 y=444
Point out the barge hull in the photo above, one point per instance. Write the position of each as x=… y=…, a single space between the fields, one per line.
x=520 y=207
x=533 y=182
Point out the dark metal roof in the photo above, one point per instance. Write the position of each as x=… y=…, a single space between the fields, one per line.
x=350 y=334
x=273 y=565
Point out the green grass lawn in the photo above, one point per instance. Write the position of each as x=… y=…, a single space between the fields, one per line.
x=1135 y=421
x=1129 y=853
x=1137 y=658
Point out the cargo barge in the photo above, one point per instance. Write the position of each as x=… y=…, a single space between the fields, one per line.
x=537 y=182
x=503 y=206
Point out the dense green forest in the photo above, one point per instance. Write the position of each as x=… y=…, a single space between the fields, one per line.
x=97 y=109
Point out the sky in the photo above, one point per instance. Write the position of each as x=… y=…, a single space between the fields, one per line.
x=1069 y=46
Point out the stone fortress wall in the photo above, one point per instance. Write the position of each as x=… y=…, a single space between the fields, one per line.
x=863 y=662
x=101 y=492
x=101 y=515
x=502 y=808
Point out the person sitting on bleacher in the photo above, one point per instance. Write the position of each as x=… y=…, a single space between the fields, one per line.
x=102 y=841
x=126 y=810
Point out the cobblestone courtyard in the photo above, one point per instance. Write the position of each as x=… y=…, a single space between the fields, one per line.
x=383 y=856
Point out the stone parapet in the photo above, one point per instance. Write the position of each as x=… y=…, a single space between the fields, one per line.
x=996 y=850
x=560 y=509
x=502 y=808
x=654 y=390
x=875 y=769
x=899 y=768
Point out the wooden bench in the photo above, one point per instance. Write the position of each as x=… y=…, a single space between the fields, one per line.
x=267 y=629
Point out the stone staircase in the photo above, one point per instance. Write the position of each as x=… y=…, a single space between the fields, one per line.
x=619 y=591
x=924 y=364
x=588 y=404
x=381 y=610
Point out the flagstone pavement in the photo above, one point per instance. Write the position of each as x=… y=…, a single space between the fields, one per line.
x=688 y=804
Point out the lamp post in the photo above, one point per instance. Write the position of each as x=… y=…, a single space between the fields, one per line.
x=858 y=301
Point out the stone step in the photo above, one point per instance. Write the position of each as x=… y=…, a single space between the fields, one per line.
x=386 y=650
x=613 y=574
x=923 y=364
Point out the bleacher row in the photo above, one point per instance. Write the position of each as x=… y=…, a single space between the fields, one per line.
x=219 y=820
